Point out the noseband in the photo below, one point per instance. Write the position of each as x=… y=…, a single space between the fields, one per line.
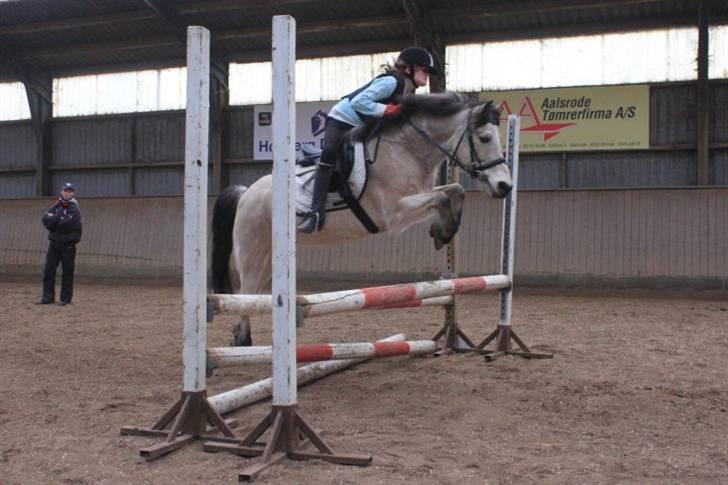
x=476 y=164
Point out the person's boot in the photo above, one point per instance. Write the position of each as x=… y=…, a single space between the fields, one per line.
x=315 y=219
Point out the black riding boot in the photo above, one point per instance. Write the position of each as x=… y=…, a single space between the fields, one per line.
x=314 y=220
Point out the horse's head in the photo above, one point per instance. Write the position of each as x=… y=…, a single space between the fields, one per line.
x=486 y=152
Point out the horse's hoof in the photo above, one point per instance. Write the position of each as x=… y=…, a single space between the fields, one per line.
x=209 y=367
x=437 y=238
x=436 y=235
x=242 y=341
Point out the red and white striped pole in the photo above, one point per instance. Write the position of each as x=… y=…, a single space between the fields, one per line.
x=229 y=356
x=251 y=393
x=411 y=294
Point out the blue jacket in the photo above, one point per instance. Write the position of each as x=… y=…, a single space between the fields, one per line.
x=369 y=101
x=63 y=223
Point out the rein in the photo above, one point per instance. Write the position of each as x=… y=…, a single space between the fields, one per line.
x=476 y=164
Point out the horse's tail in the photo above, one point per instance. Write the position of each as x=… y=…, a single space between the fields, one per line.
x=223 y=219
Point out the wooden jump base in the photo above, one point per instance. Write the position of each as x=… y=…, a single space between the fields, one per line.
x=289 y=430
x=231 y=356
x=377 y=297
x=187 y=420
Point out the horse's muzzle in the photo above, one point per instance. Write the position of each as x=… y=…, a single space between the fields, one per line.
x=504 y=188
x=498 y=190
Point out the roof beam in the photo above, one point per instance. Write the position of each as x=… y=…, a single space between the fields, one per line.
x=76 y=23
x=228 y=5
x=141 y=15
x=573 y=30
x=33 y=78
x=424 y=34
x=236 y=35
x=393 y=22
x=167 y=13
x=497 y=9
x=326 y=50
x=250 y=55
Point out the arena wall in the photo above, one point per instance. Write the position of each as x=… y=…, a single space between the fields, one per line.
x=674 y=237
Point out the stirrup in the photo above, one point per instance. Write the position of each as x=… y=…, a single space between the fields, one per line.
x=306 y=226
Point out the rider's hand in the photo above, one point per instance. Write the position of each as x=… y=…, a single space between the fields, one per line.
x=393 y=109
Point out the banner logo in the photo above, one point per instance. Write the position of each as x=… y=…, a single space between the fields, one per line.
x=577 y=119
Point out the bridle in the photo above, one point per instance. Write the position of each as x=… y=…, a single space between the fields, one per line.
x=476 y=164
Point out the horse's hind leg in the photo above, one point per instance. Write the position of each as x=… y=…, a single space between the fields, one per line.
x=255 y=271
x=241 y=333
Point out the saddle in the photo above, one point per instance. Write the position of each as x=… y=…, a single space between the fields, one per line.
x=350 y=177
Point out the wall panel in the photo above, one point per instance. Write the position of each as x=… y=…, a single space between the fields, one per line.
x=91 y=141
x=631 y=169
x=92 y=183
x=160 y=138
x=672 y=114
x=159 y=180
x=719 y=166
x=17 y=185
x=246 y=174
x=17 y=146
x=240 y=128
x=643 y=238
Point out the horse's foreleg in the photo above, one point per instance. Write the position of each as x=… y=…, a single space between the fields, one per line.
x=445 y=228
x=444 y=205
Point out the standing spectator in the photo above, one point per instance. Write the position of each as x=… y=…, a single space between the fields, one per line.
x=63 y=221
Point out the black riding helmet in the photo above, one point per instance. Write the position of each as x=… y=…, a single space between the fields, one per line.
x=417 y=56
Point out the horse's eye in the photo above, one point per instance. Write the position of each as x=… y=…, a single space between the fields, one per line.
x=486 y=138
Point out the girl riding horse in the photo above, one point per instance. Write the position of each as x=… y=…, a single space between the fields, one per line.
x=374 y=100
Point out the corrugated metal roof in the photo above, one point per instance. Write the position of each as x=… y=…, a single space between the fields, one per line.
x=63 y=37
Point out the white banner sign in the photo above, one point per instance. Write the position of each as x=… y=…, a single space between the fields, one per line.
x=310 y=121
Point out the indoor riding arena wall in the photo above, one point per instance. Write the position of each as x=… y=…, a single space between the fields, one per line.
x=618 y=238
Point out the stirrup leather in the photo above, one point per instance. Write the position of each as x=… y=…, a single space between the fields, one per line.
x=304 y=226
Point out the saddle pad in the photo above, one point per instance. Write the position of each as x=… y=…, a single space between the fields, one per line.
x=305 y=179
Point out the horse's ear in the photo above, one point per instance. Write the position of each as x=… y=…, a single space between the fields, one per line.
x=487 y=113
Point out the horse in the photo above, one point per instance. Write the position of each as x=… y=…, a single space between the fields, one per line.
x=401 y=190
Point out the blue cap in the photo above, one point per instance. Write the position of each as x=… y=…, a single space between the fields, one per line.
x=69 y=186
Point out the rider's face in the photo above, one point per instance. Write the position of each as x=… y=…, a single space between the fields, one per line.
x=421 y=76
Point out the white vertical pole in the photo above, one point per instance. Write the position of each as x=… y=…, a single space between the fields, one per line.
x=195 y=194
x=284 y=222
x=508 y=235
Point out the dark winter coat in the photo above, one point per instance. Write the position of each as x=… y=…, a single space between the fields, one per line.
x=63 y=222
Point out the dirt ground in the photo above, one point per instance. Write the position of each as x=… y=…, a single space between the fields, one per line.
x=637 y=392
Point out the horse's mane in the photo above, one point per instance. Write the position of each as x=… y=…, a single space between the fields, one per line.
x=438 y=104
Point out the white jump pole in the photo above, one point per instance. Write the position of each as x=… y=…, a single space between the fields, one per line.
x=286 y=423
x=504 y=333
x=508 y=236
x=284 y=217
x=188 y=417
x=252 y=393
x=194 y=287
x=232 y=356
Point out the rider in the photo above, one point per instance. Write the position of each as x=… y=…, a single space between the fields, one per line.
x=373 y=100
